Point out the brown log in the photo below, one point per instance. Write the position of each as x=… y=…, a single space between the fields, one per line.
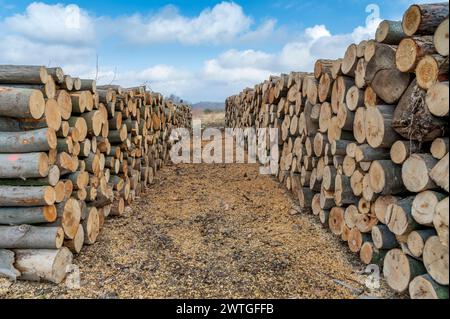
x=401 y=150
x=424 y=19
x=359 y=125
x=411 y=50
x=336 y=220
x=381 y=205
x=76 y=244
x=413 y=120
x=356 y=239
x=91 y=226
x=431 y=69
x=390 y=32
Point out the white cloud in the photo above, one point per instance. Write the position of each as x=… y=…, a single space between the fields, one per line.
x=223 y=23
x=53 y=24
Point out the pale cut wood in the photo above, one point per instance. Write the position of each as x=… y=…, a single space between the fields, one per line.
x=401 y=150
x=336 y=220
x=441 y=38
x=439 y=173
x=415 y=172
x=437 y=99
x=440 y=147
x=383 y=238
x=386 y=178
x=21 y=103
x=369 y=254
x=424 y=287
x=354 y=98
x=27 y=215
x=356 y=239
x=359 y=125
x=31 y=237
x=91 y=226
x=69 y=216
x=417 y=239
x=379 y=132
x=43 y=264
x=440 y=221
x=424 y=206
x=399 y=269
x=76 y=244
x=399 y=218
x=435 y=259
x=380 y=206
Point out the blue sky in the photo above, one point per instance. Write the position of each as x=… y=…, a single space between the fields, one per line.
x=199 y=50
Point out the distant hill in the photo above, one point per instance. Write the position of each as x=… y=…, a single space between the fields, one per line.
x=209 y=105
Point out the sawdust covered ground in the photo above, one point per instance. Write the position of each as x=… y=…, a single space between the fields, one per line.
x=210 y=231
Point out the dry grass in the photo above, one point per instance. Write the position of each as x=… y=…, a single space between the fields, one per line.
x=210 y=119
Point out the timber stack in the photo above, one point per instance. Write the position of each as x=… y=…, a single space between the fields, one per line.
x=71 y=155
x=364 y=146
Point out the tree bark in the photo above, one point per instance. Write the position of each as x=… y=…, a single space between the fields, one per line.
x=21 y=103
x=43 y=264
x=31 y=237
x=27 y=215
x=424 y=19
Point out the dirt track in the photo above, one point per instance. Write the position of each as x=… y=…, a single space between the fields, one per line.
x=210 y=231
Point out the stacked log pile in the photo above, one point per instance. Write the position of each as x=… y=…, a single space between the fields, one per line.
x=71 y=154
x=364 y=146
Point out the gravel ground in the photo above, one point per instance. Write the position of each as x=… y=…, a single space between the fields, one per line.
x=210 y=231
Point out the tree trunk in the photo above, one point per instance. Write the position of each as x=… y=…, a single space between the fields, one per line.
x=399 y=217
x=411 y=50
x=439 y=173
x=7 y=265
x=416 y=172
x=31 y=237
x=389 y=85
x=417 y=239
x=401 y=150
x=27 y=196
x=21 y=103
x=76 y=244
x=431 y=69
x=424 y=287
x=386 y=178
x=390 y=32
x=43 y=264
x=424 y=206
x=23 y=74
x=383 y=238
x=399 y=269
x=441 y=38
x=27 y=215
x=336 y=220
x=435 y=259
x=424 y=19
x=440 y=221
